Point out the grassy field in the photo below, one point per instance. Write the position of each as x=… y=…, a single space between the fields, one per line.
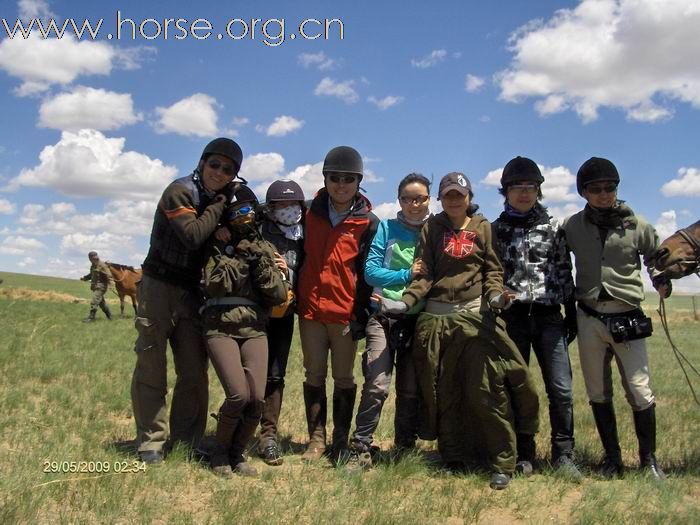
x=65 y=398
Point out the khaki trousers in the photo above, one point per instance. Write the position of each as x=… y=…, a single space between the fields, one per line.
x=168 y=313
x=317 y=340
x=596 y=351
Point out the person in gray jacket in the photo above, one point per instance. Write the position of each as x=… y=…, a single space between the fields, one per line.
x=607 y=239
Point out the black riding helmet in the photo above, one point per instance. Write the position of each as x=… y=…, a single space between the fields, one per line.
x=521 y=169
x=596 y=169
x=284 y=190
x=343 y=159
x=226 y=147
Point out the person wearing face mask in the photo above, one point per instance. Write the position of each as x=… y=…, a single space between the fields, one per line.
x=187 y=213
x=537 y=268
x=475 y=387
x=242 y=282
x=282 y=227
x=333 y=299
x=607 y=239
x=389 y=268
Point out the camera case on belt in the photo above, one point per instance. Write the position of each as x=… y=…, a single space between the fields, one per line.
x=634 y=325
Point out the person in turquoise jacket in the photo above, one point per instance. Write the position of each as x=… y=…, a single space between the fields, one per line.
x=389 y=268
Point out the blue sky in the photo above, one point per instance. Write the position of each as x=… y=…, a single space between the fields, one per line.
x=95 y=129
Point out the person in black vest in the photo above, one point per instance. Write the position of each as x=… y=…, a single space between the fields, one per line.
x=187 y=214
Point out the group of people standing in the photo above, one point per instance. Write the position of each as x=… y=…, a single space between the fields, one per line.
x=450 y=303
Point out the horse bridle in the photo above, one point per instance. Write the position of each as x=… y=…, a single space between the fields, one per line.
x=692 y=240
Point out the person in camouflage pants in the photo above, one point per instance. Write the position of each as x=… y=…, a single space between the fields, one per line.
x=99 y=278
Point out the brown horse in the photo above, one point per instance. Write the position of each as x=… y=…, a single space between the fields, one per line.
x=679 y=255
x=125 y=280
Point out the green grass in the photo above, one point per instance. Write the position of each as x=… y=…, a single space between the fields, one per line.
x=65 y=397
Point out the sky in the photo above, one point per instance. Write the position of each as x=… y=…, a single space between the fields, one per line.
x=97 y=125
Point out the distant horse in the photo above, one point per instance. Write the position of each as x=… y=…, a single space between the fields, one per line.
x=125 y=280
x=679 y=255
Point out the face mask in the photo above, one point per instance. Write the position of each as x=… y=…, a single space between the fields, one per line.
x=289 y=215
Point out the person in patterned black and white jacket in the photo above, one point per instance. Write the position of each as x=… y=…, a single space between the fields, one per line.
x=537 y=269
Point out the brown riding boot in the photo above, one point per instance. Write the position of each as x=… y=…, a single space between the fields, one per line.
x=268 y=448
x=343 y=406
x=316 y=408
x=219 y=457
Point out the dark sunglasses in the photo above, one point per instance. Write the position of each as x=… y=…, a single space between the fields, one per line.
x=239 y=212
x=608 y=188
x=226 y=169
x=420 y=199
x=343 y=179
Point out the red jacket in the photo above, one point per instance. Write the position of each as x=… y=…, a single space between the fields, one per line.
x=332 y=288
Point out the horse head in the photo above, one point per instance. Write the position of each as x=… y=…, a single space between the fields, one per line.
x=679 y=255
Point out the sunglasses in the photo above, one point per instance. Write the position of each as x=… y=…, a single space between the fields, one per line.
x=343 y=179
x=226 y=169
x=239 y=212
x=420 y=199
x=524 y=188
x=608 y=188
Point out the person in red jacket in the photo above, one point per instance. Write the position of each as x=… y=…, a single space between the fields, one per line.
x=333 y=298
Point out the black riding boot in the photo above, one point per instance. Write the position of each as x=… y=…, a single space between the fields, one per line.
x=645 y=427
x=604 y=415
x=343 y=405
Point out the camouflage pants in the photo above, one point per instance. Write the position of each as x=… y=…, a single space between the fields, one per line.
x=98 y=300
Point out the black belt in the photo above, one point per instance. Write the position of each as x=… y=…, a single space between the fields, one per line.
x=604 y=317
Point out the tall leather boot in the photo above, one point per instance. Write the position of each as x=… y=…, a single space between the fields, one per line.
x=645 y=427
x=343 y=405
x=605 y=422
x=91 y=316
x=268 y=448
x=316 y=410
x=219 y=456
x=241 y=438
x=405 y=423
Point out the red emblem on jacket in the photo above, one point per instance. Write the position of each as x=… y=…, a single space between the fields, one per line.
x=459 y=244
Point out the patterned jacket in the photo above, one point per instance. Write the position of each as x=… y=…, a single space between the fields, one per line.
x=535 y=257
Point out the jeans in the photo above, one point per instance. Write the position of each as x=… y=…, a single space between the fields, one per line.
x=542 y=330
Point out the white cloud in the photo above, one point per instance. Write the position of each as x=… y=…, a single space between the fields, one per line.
x=561 y=212
x=559 y=184
x=635 y=55
x=39 y=62
x=108 y=245
x=118 y=216
x=666 y=224
x=386 y=210
x=342 y=90
x=86 y=107
x=27 y=261
x=194 y=115
x=240 y=121
x=433 y=59
x=318 y=60
x=6 y=207
x=263 y=166
x=473 y=83
x=29 y=9
x=18 y=245
x=386 y=102
x=283 y=125
x=88 y=164
x=687 y=184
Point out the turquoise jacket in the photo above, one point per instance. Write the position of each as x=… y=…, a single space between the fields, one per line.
x=389 y=260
